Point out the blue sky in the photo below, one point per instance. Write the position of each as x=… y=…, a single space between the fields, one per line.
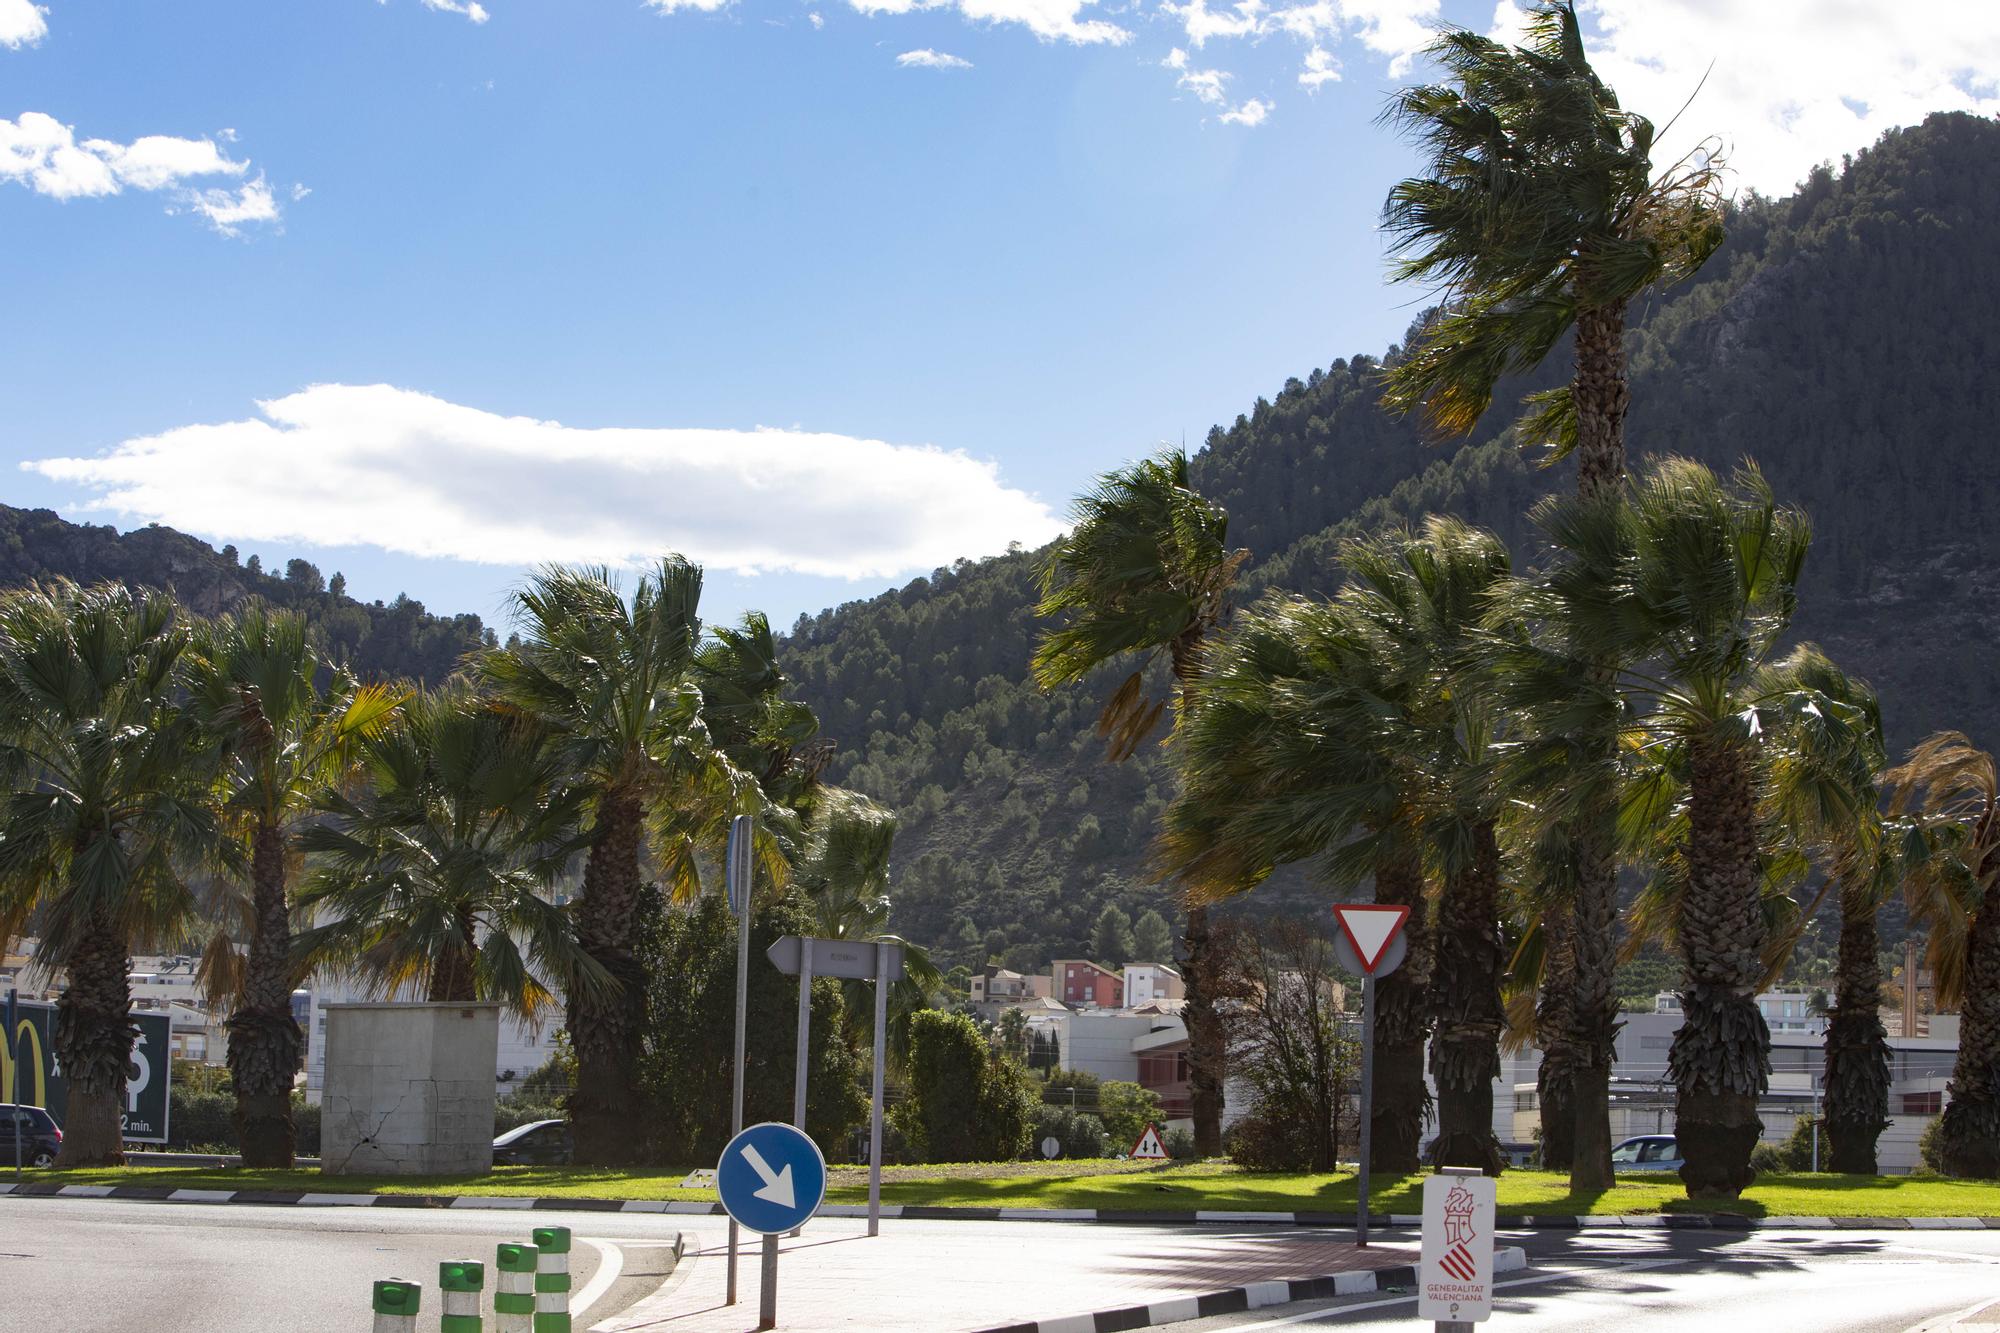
x=821 y=294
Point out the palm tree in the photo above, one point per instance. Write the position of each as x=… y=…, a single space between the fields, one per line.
x=1420 y=600
x=1146 y=569
x=613 y=682
x=1274 y=771
x=1539 y=212
x=1955 y=789
x=255 y=688
x=434 y=875
x=1684 y=590
x=107 y=807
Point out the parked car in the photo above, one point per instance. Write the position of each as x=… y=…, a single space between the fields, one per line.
x=1647 y=1152
x=36 y=1131
x=537 y=1143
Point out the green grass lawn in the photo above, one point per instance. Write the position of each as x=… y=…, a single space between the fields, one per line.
x=1213 y=1186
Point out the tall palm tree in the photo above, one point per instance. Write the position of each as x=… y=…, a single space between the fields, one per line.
x=438 y=877
x=1538 y=212
x=107 y=807
x=285 y=724
x=1956 y=787
x=1281 y=762
x=1814 y=792
x=1421 y=599
x=1684 y=590
x=1146 y=570
x=613 y=681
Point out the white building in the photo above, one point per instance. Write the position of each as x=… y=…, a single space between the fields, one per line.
x=1146 y=982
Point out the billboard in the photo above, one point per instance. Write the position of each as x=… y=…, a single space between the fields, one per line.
x=28 y=1072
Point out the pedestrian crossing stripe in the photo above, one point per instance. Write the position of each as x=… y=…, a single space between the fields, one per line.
x=1150 y=1148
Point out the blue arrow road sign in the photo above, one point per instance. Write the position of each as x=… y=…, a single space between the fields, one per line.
x=771 y=1178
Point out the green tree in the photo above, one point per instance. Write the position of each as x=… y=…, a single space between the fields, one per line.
x=1686 y=587
x=436 y=876
x=1146 y=570
x=1126 y=1109
x=286 y=725
x=686 y=1069
x=965 y=1103
x=1111 y=937
x=1152 y=938
x=613 y=681
x=107 y=805
x=1955 y=789
x=1539 y=211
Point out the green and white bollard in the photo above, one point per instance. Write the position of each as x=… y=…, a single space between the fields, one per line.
x=462 y=1280
x=396 y=1306
x=551 y=1280
x=514 y=1289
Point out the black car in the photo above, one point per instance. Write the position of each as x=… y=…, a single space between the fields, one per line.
x=35 y=1130
x=537 y=1143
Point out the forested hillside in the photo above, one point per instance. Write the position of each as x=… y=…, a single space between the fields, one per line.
x=392 y=640
x=1844 y=338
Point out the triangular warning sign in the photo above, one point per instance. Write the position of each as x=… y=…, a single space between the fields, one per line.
x=1150 y=1148
x=1369 y=928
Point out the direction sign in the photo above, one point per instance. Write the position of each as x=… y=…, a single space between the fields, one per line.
x=771 y=1178
x=854 y=959
x=1372 y=931
x=1455 y=1284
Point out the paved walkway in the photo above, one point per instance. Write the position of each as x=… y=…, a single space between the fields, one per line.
x=930 y=1278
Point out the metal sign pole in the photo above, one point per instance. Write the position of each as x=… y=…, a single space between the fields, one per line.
x=1367 y=1103
x=875 y=1116
x=740 y=878
x=804 y=1043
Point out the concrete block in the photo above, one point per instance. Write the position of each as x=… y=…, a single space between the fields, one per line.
x=408 y=1088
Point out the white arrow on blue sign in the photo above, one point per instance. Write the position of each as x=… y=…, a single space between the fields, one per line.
x=771 y=1178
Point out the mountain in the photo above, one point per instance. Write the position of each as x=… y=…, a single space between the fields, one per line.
x=1844 y=338
x=387 y=641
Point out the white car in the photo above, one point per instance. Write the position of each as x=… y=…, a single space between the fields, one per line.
x=1648 y=1152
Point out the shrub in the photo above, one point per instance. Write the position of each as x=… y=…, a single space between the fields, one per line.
x=1796 y=1152
x=1006 y=1109
x=1930 y=1146
x=1261 y=1141
x=1126 y=1109
x=1080 y=1133
x=521 y=1108
x=1765 y=1160
x=200 y=1121
x=965 y=1103
x=1180 y=1145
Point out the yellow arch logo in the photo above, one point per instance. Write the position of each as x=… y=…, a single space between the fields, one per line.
x=9 y=1076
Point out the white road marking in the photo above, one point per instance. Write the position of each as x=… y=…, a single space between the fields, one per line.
x=610 y=1263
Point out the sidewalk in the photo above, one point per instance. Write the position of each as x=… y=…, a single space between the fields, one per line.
x=917 y=1278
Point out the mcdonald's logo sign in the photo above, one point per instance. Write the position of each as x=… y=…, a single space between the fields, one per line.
x=29 y=1074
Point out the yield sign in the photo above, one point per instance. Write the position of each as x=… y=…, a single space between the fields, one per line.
x=1371 y=928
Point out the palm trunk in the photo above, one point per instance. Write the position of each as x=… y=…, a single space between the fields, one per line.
x=1857 y=1047
x=1593 y=1013
x=265 y=1044
x=455 y=976
x=1971 y=1132
x=1721 y=1057
x=606 y=1030
x=93 y=1045
x=1601 y=396
x=1402 y=1021
x=1206 y=1043
x=1556 y=1076
x=1465 y=999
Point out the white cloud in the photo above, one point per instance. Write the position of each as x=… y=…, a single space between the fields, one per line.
x=41 y=153
x=1205 y=84
x=929 y=59
x=1050 y=20
x=1201 y=24
x=1321 y=67
x=374 y=465
x=699 y=6
x=22 y=23
x=816 y=20
x=1251 y=112
x=1795 y=82
x=472 y=9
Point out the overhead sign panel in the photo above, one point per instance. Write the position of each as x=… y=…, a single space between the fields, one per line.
x=853 y=959
x=1370 y=930
x=1455 y=1284
x=771 y=1178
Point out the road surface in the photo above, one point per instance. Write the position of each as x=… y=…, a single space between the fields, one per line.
x=1712 y=1281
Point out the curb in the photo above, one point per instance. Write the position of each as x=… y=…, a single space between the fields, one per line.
x=1254 y=1296
x=43 y=1189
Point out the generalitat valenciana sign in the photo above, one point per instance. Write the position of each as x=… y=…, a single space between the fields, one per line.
x=1455 y=1283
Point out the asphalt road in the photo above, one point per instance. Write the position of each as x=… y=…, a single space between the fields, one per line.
x=1714 y=1282
x=103 y=1266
